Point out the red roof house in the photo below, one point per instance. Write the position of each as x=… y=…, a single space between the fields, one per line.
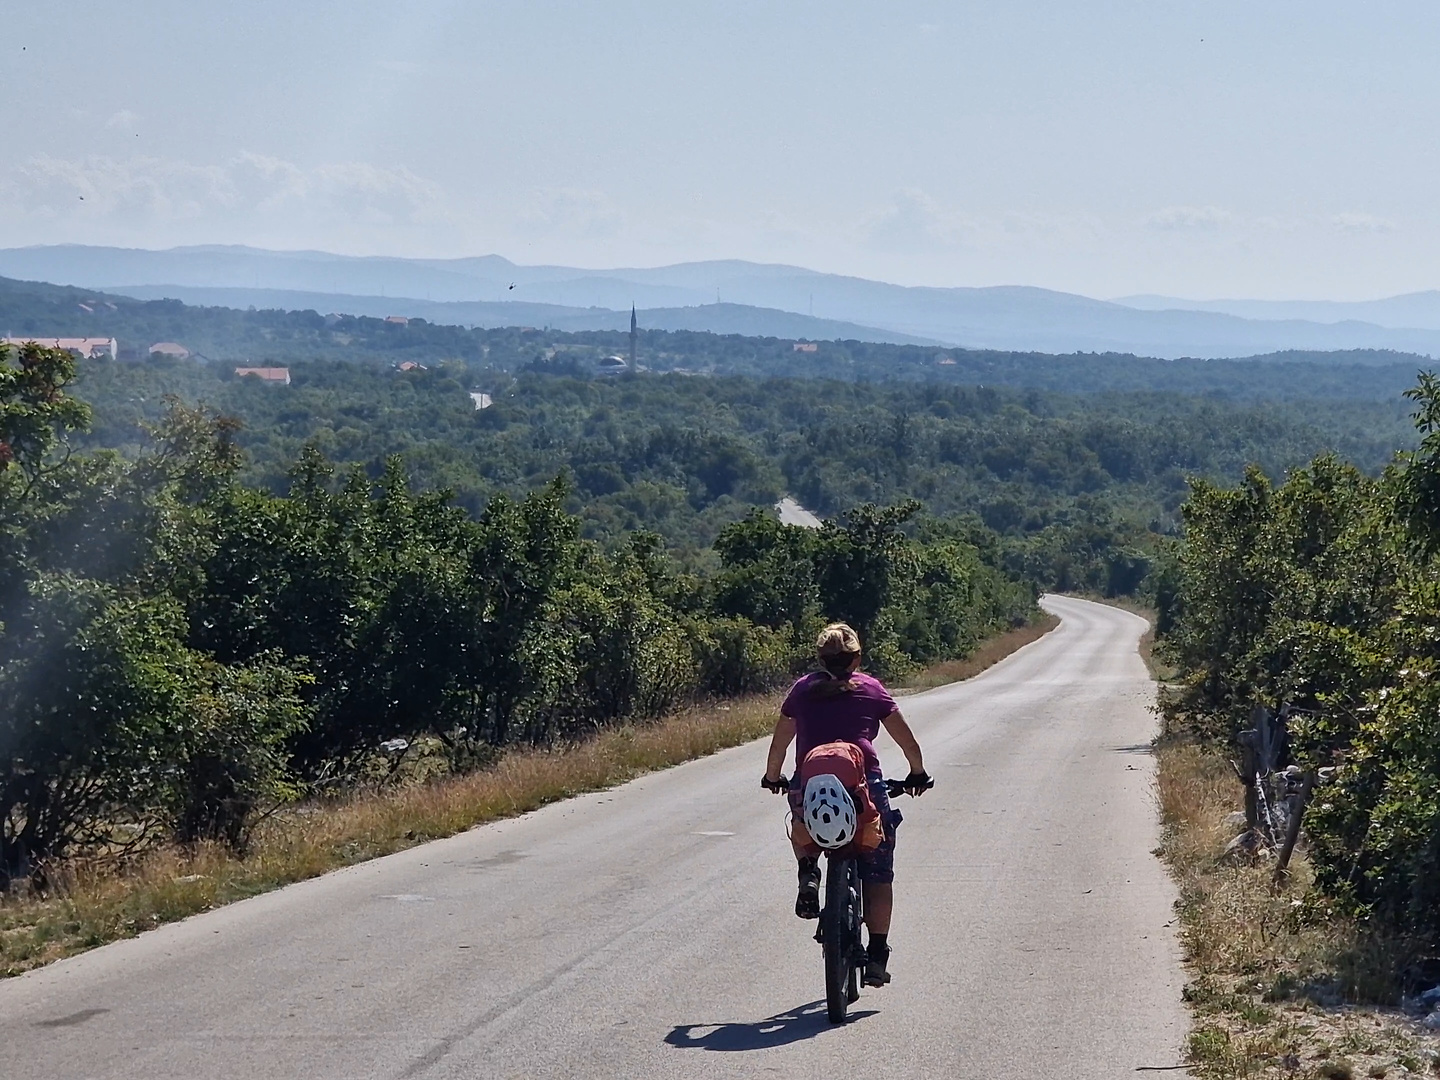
x=276 y=376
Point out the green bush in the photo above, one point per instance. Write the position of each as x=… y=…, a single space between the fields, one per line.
x=178 y=649
x=1325 y=592
x=734 y=656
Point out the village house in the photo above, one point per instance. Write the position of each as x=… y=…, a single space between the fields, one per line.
x=169 y=348
x=805 y=346
x=86 y=348
x=275 y=376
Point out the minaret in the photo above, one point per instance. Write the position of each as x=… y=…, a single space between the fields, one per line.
x=633 y=336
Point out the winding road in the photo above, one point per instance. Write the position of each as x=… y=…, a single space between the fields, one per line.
x=646 y=931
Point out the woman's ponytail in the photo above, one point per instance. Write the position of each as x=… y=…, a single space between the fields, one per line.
x=838 y=650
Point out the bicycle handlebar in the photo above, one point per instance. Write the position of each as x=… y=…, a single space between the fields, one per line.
x=893 y=787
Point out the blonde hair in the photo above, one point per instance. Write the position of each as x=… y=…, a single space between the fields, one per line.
x=837 y=648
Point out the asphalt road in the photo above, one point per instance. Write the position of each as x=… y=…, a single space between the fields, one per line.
x=647 y=931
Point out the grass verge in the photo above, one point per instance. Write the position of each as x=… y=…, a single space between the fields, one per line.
x=92 y=905
x=987 y=654
x=1272 y=994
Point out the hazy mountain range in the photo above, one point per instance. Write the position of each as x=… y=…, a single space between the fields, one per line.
x=1419 y=310
x=736 y=297
x=716 y=318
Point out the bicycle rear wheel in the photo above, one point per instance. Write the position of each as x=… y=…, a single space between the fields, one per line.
x=839 y=933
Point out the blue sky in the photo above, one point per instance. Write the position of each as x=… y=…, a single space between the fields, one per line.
x=1221 y=149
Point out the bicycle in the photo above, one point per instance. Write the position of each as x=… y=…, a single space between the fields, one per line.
x=841 y=918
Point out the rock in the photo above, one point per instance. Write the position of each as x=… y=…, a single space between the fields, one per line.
x=1247 y=847
x=1431 y=996
x=1235 y=820
x=395 y=746
x=1432 y=1021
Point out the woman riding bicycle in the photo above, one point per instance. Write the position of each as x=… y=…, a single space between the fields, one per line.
x=839 y=704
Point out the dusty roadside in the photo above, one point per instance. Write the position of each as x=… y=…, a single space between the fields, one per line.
x=93 y=905
x=1272 y=993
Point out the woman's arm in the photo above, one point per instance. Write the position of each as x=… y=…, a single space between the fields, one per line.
x=779 y=745
x=905 y=738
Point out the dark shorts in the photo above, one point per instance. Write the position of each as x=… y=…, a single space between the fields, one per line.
x=878 y=867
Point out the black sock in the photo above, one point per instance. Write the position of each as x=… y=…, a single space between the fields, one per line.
x=809 y=869
x=878 y=948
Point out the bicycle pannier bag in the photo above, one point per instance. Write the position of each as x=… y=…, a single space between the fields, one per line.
x=846 y=761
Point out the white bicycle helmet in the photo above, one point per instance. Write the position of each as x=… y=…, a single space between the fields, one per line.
x=829 y=811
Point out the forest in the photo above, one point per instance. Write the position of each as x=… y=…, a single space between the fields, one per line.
x=218 y=595
x=1077 y=490
x=180 y=650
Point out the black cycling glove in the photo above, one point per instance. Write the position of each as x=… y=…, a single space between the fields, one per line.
x=918 y=782
x=775 y=786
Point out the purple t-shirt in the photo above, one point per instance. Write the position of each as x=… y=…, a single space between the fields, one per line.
x=852 y=716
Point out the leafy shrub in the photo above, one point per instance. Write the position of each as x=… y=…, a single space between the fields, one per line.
x=734 y=656
x=1325 y=592
x=178 y=649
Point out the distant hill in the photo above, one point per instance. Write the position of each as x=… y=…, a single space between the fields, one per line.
x=1419 y=310
x=274 y=336
x=714 y=318
x=1003 y=317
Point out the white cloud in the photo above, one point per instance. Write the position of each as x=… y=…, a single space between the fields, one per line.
x=248 y=188
x=1358 y=222
x=1078 y=227
x=915 y=222
x=1183 y=218
x=778 y=228
x=572 y=212
x=124 y=120
x=1272 y=223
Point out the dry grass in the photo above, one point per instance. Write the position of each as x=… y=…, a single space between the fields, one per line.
x=94 y=905
x=1161 y=669
x=987 y=654
x=1272 y=996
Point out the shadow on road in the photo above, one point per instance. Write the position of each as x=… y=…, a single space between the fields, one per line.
x=793 y=1025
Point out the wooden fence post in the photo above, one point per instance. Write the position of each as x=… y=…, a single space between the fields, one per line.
x=1298 y=802
x=1249 y=766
